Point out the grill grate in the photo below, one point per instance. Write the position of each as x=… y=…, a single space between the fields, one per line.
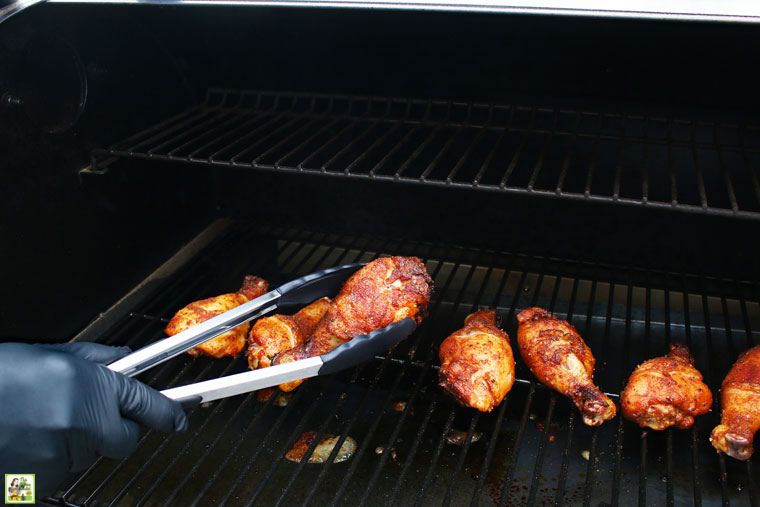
x=530 y=450
x=658 y=162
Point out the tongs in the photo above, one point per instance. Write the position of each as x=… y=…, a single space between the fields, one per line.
x=301 y=291
x=353 y=352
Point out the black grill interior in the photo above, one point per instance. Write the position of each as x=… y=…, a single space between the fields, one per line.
x=532 y=449
x=606 y=169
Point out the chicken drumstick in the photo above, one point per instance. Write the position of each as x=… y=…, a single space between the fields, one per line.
x=666 y=391
x=740 y=401
x=477 y=366
x=384 y=291
x=277 y=333
x=232 y=342
x=559 y=358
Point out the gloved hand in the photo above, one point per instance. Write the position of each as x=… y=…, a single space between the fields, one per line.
x=61 y=408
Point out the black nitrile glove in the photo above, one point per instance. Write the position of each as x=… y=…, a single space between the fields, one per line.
x=61 y=408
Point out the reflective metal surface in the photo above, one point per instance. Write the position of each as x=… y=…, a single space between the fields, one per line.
x=712 y=10
x=6 y=11
x=240 y=383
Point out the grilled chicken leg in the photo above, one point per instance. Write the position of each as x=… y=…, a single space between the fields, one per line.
x=477 y=366
x=230 y=343
x=559 y=358
x=271 y=335
x=666 y=391
x=384 y=291
x=740 y=401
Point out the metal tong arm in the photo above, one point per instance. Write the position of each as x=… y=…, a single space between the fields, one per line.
x=300 y=291
x=163 y=350
x=351 y=353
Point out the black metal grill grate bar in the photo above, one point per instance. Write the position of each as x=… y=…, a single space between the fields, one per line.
x=294 y=434
x=342 y=437
x=512 y=463
x=319 y=434
x=344 y=484
x=475 y=420
x=532 y=450
x=247 y=399
x=552 y=152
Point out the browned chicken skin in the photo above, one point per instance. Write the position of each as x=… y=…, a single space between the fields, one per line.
x=666 y=391
x=384 y=291
x=477 y=366
x=740 y=402
x=277 y=333
x=230 y=343
x=559 y=358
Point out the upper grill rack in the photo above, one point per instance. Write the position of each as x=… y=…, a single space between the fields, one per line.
x=660 y=162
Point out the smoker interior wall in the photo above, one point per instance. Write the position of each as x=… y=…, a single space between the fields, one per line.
x=144 y=60
x=646 y=238
x=561 y=60
x=73 y=246
x=69 y=250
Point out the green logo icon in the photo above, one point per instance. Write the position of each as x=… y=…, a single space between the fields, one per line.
x=19 y=488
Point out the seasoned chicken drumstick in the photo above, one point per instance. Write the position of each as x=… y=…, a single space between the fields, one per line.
x=740 y=401
x=477 y=366
x=230 y=343
x=559 y=358
x=384 y=291
x=666 y=391
x=271 y=335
